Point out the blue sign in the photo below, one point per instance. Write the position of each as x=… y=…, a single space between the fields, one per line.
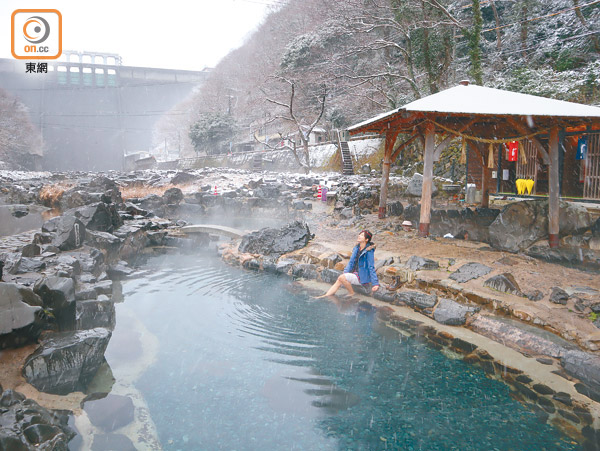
x=581 y=148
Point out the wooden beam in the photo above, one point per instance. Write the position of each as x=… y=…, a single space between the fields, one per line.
x=553 y=188
x=427 y=180
x=442 y=146
x=390 y=139
x=403 y=145
x=522 y=128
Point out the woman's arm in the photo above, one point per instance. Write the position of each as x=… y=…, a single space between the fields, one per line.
x=353 y=258
x=371 y=267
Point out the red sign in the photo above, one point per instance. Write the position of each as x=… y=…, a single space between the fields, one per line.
x=513 y=150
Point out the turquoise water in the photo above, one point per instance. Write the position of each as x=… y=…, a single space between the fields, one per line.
x=249 y=361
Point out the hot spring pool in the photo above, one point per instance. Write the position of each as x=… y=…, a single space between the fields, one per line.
x=249 y=361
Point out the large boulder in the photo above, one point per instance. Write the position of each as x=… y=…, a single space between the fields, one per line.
x=66 y=362
x=58 y=294
x=95 y=313
x=18 y=307
x=69 y=232
x=98 y=216
x=452 y=313
x=521 y=224
x=272 y=241
x=415 y=186
x=172 y=196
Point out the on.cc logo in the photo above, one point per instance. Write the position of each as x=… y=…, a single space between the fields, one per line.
x=36 y=29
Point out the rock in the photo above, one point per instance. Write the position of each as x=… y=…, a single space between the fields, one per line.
x=329 y=275
x=30 y=250
x=103 y=287
x=584 y=366
x=18 y=307
x=10 y=262
x=385 y=295
x=417 y=263
x=271 y=241
x=520 y=338
x=66 y=362
x=299 y=204
x=574 y=256
x=365 y=169
x=181 y=178
x=102 y=240
x=119 y=271
x=595 y=228
x=452 y=313
x=470 y=271
x=347 y=213
x=415 y=186
x=11 y=442
x=519 y=225
x=535 y=295
x=110 y=413
x=99 y=216
x=559 y=296
x=18 y=211
x=573 y=219
x=25 y=425
x=40 y=433
x=69 y=232
x=35 y=264
x=416 y=299
x=172 y=196
x=94 y=313
x=305 y=270
x=395 y=208
x=505 y=283
x=330 y=260
x=58 y=293
x=283 y=266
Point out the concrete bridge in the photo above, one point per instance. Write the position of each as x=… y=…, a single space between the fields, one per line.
x=91 y=110
x=214 y=229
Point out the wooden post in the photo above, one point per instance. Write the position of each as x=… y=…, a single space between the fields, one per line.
x=485 y=190
x=427 y=180
x=390 y=138
x=553 y=188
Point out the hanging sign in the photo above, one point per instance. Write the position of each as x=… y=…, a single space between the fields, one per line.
x=513 y=150
x=581 y=148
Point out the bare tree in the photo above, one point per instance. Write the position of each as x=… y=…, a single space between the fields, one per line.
x=304 y=131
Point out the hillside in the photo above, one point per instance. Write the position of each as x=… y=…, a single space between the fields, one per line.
x=365 y=57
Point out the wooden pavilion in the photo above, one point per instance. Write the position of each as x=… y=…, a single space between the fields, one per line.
x=485 y=119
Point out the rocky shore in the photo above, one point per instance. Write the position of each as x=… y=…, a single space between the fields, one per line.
x=472 y=299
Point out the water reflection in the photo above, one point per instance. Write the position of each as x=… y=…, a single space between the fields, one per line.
x=249 y=361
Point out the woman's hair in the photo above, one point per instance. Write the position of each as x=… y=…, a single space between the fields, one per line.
x=368 y=235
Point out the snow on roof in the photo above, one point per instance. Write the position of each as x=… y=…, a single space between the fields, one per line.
x=473 y=99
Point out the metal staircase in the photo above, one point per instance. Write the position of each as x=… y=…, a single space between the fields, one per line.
x=347 y=167
x=257 y=162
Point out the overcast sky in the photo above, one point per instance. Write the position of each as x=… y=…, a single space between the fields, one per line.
x=174 y=34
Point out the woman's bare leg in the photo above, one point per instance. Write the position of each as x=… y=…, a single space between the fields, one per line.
x=341 y=281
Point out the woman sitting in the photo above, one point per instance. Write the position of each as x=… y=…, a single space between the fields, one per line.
x=360 y=270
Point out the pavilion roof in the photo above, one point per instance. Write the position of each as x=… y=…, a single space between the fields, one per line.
x=474 y=101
